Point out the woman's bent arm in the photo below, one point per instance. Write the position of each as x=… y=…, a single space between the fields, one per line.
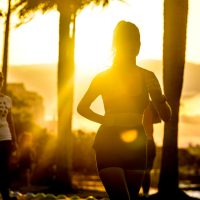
x=85 y=103
x=159 y=100
x=86 y=112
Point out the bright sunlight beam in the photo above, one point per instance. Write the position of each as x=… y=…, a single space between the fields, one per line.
x=95 y=27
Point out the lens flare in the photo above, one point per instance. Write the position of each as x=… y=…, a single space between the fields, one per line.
x=129 y=136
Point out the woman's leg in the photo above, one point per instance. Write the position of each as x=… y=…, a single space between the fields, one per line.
x=151 y=153
x=134 y=180
x=5 y=150
x=146 y=183
x=114 y=181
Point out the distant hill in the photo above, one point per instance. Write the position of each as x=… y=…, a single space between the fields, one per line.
x=191 y=79
x=42 y=79
x=191 y=75
x=191 y=89
x=38 y=78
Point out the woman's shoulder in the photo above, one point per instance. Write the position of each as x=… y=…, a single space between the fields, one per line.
x=145 y=72
x=102 y=75
x=98 y=79
x=148 y=75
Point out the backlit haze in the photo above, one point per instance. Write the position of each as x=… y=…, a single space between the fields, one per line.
x=36 y=43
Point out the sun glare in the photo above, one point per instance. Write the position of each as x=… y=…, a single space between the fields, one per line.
x=93 y=40
x=35 y=42
x=94 y=31
x=129 y=136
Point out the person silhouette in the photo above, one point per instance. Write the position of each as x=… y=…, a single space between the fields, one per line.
x=126 y=89
x=150 y=117
x=7 y=141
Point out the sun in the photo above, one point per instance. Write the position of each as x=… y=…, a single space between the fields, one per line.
x=94 y=31
x=93 y=41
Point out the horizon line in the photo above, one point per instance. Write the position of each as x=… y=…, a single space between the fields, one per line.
x=55 y=63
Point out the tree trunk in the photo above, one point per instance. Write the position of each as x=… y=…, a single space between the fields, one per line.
x=175 y=25
x=6 y=46
x=65 y=89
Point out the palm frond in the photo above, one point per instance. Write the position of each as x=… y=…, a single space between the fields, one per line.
x=26 y=9
x=1 y=13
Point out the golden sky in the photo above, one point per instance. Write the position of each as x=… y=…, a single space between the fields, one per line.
x=37 y=41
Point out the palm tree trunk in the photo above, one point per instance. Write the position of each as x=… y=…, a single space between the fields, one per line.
x=65 y=102
x=6 y=46
x=175 y=25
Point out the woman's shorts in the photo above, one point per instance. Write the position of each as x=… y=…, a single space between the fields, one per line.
x=121 y=147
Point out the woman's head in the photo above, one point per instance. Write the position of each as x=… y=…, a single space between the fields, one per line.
x=126 y=39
